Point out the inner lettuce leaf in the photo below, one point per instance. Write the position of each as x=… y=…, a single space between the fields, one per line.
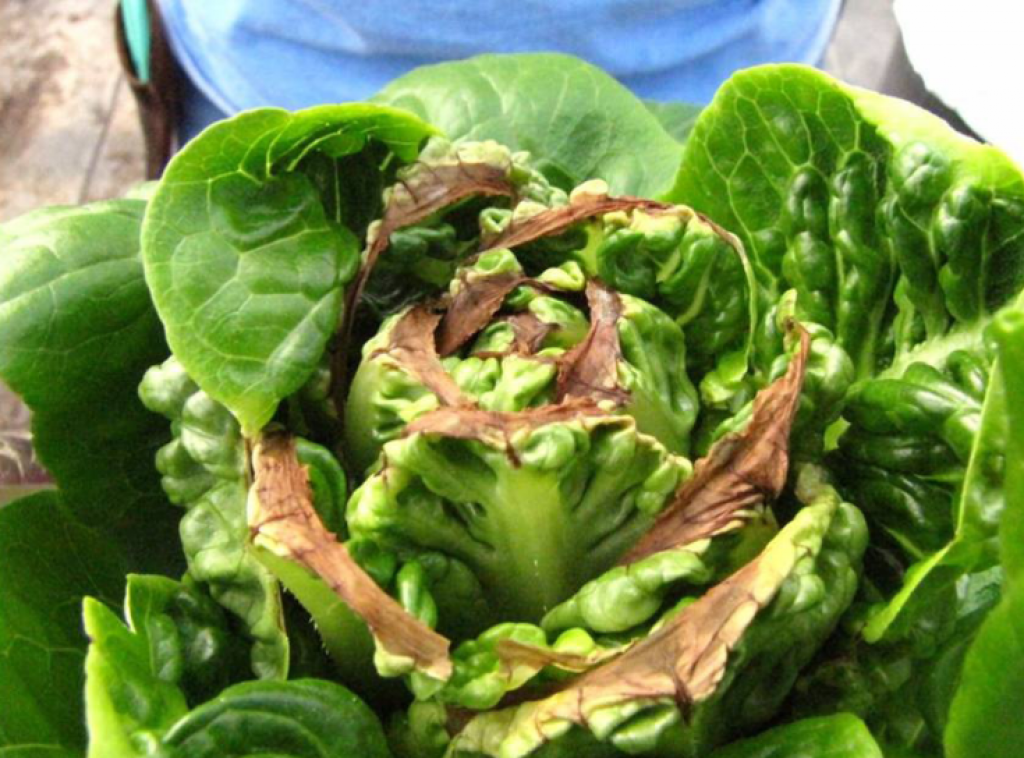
x=902 y=239
x=722 y=664
x=718 y=520
x=251 y=237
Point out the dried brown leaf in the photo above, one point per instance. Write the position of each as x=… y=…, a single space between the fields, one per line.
x=428 y=190
x=474 y=305
x=556 y=220
x=283 y=520
x=740 y=471
x=528 y=332
x=412 y=346
x=590 y=369
x=512 y=653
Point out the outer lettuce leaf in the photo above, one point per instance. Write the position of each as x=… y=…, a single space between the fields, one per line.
x=909 y=447
x=78 y=332
x=251 y=237
x=676 y=118
x=1009 y=332
x=985 y=716
x=902 y=690
x=903 y=239
x=48 y=561
x=839 y=736
x=985 y=719
x=577 y=122
x=137 y=705
x=856 y=201
x=130 y=704
x=303 y=718
x=978 y=510
x=176 y=650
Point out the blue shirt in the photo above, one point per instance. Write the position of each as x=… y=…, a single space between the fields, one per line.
x=243 y=54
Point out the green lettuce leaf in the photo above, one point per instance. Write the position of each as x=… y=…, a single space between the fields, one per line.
x=130 y=699
x=676 y=118
x=893 y=229
x=304 y=718
x=730 y=668
x=48 y=562
x=973 y=547
x=576 y=121
x=141 y=675
x=252 y=236
x=839 y=736
x=984 y=718
x=78 y=331
x=204 y=471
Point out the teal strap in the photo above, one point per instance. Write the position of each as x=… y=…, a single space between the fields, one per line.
x=135 y=18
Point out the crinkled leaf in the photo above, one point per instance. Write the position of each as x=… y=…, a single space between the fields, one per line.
x=740 y=471
x=533 y=502
x=534 y=351
x=508 y=656
x=724 y=499
x=735 y=651
x=973 y=547
x=678 y=260
x=575 y=120
x=859 y=202
x=204 y=470
x=630 y=594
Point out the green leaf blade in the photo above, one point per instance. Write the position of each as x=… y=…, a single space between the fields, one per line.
x=840 y=736
x=247 y=261
x=48 y=563
x=576 y=121
x=79 y=330
x=984 y=719
x=304 y=718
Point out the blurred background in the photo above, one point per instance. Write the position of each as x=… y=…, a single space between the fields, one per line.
x=69 y=128
x=69 y=131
